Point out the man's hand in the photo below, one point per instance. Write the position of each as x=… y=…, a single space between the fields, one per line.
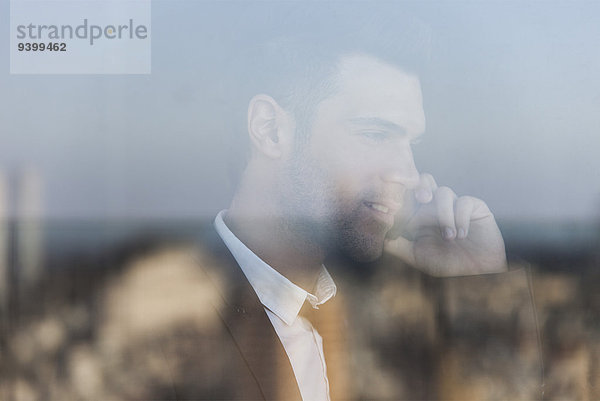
x=445 y=235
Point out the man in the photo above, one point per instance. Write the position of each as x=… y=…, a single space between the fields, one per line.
x=344 y=179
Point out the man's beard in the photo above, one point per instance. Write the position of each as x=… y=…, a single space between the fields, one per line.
x=343 y=233
x=358 y=237
x=334 y=218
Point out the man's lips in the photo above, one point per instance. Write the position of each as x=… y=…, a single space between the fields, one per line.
x=383 y=207
x=384 y=211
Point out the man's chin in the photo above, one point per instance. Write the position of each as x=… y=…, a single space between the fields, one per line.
x=361 y=238
x=366 y=257
x=356 y=262
x=363 y=249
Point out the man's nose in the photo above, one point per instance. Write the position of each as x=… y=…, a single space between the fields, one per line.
x=402 y=170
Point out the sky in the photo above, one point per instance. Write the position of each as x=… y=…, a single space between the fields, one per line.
x=511 y=96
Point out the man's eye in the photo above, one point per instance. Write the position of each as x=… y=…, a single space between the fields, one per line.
x=375 y=135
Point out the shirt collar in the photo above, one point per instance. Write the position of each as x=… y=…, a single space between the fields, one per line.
x=275 y=292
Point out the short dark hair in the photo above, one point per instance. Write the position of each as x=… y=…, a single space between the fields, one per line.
x=295 y=53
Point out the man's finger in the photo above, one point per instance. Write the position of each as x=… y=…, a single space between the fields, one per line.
x=444 y=200
x=463 y=211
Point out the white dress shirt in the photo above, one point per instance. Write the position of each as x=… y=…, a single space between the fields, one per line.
x=283 y=300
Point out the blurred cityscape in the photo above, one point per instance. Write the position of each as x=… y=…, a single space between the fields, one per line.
x=80 y=300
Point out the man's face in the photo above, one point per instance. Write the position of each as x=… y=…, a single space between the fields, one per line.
x=351 y=177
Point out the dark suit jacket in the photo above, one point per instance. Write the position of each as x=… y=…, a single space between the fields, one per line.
x=259 y=367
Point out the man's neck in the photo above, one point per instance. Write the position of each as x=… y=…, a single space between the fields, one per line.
x=286 y=250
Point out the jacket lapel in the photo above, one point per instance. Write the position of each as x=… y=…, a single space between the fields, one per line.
x=249 y=326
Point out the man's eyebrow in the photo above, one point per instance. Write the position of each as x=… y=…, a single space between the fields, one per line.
x=378 y=122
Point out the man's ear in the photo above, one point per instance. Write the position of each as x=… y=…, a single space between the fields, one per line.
x=268 y=126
